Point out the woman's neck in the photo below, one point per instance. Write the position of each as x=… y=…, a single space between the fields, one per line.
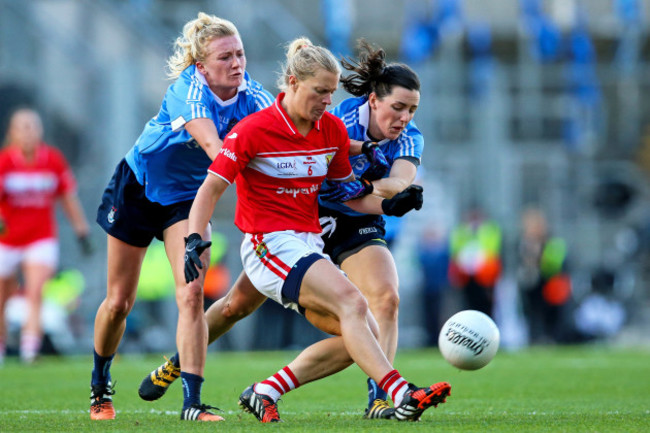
x=303 y=125
x=28 y=153
x=373 y=132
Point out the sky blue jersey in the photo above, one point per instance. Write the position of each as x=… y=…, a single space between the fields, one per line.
x=166 y=159
x=355 y=113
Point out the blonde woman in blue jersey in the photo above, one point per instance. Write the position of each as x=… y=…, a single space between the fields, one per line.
x=152 y=190
x=379 y=120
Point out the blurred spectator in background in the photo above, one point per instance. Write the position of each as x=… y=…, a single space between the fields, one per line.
x=544 y=286
x=33 y=177
x=601 y=313
x=475 y=266
x=433 y=255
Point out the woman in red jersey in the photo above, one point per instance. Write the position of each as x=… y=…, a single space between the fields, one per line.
x=33 y=176
x=279 y=158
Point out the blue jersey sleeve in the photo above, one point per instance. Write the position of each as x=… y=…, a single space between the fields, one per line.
x=187 y=100
x=410 y=143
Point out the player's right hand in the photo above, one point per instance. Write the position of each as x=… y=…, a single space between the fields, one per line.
x=378 y=163
x=194 y=247
x=403 y=202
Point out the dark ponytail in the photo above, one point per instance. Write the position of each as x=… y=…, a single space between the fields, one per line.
x=372 y=74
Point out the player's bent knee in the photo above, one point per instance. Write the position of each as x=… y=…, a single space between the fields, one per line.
x=353 y=303
x=386 y=305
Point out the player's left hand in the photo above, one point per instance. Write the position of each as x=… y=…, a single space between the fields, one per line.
x=194 y=247
x=403 y=202
x=344 y=191
x=85 y=245
x=378 y=163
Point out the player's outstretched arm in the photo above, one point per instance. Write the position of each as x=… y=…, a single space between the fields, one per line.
x=402 y=174
x=206 y=199
x=205 y=133
x=400 y=204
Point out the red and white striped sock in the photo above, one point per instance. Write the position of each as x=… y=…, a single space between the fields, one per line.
x=395 y=385
x=277 y=385
x=30 y=345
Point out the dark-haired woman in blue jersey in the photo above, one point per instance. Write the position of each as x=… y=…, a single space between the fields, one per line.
x=152 y=190
x=379 y=120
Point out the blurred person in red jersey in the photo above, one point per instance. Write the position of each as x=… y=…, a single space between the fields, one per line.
x=33 y=177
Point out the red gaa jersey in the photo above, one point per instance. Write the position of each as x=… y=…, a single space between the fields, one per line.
x=278 y=171
x=28 y=191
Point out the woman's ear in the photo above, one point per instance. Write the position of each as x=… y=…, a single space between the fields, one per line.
x=372 y=100
x=293 y=82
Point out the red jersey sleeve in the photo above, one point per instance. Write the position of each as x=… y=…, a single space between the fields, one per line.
x=67 y=181
x=340 y=167
x=235 y=154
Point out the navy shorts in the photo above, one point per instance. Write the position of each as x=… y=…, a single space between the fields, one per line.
x=345 y=235
x=127 y=214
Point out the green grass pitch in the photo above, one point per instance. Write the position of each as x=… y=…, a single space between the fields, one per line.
x=568 y=389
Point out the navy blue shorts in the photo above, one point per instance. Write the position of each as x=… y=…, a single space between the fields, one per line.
x=127 y=214
x=345 y=235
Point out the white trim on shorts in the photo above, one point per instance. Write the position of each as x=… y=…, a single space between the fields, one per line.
x=268 y=258
x=44 y=252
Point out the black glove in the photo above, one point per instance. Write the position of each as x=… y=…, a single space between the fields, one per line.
x=85 y=245
x=403 y=202
x=344 y=191
x=194 y=247
x=378 y=164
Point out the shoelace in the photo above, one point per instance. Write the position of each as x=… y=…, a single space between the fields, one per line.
x=168 y=367
x=205 y=407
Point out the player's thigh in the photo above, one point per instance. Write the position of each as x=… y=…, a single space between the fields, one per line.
x=124 y=262
x=40 y=261
x=327 y=291
x=372 y=269
x=35 y=276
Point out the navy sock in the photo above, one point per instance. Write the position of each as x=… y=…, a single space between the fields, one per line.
x=101 y=371
x=375 y=392
x=176 y=360
x=191 y=389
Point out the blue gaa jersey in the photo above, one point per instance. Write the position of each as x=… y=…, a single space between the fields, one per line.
x=166 y=159
x=355 y=113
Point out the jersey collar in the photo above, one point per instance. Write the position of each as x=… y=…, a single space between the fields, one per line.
x=284 y=117
x=364 y=120
x=242 y=88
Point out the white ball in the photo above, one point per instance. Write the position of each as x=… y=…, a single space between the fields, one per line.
x=469 y=340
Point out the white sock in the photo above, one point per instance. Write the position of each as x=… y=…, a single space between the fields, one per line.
x=277 y=385
x=30 y=345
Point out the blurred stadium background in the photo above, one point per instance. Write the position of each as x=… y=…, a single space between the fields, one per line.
x=524 y=102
